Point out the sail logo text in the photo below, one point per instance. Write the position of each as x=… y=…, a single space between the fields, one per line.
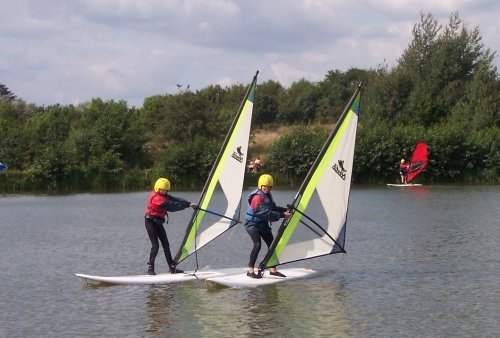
x=238 y=155
x=339 y=169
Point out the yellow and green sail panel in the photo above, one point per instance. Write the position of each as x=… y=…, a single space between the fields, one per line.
x=219 y=203
x=318 y=224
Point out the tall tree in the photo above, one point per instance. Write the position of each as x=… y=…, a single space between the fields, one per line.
x=267 y=101
x=299 y=102
x=5 y=93
x=433 y=72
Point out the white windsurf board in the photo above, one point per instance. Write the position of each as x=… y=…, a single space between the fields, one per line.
x=162 y=278
x=405 y=185
x=241 y=280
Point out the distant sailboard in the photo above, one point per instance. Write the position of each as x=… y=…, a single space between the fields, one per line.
x=418 y=163
x=205 y=225
x=318 y=224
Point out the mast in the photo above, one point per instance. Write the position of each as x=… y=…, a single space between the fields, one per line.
x=307 y=187
x=322 y=152
x=229 y=162
x=228 y=135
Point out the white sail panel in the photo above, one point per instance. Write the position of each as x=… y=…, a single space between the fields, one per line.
x=230 y=177
x=333 y=195
x=318 y=224
x=227 y=176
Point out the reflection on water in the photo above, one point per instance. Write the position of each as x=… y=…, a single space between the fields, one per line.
x=315 y=307
x=159 y=307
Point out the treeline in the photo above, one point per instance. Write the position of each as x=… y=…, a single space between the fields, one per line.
x=444 y=90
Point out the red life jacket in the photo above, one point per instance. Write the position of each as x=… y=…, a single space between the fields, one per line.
x=153 y=207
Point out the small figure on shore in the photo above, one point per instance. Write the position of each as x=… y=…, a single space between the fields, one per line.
x=257 y=164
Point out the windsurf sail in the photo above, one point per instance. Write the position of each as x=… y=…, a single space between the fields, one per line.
x=219 y=212
x=318 y=224
x=419 y=160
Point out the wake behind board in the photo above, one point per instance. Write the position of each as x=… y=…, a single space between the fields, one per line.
x=162 y=278
x=241 y=280
x=405 y=185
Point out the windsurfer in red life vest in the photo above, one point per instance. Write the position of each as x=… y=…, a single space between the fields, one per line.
x=159 y=203
x=262 y=210
x=403 y=171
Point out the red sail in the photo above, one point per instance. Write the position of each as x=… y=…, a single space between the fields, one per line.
x=418 y=160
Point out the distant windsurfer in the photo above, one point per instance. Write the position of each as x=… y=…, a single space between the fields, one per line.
x=403 y=171
x=260 y=211
x=159 y=203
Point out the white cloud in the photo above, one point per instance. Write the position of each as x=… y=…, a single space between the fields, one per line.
x=71 y=51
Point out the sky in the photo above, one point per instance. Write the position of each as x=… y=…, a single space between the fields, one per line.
x=70 y=51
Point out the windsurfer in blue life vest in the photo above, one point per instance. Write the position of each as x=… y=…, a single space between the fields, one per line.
x=403 y=171
x=260 y=211
x=159 y=203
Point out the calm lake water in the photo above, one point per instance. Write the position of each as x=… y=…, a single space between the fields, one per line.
x=420 y=262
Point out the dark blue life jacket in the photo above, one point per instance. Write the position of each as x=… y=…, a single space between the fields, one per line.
x=262 y=212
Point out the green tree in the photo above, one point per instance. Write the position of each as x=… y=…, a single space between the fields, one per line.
x=433 y=72
x=107 y=168
x=335 y=91
x=480 y=105
x=187 y=164
x=53 y=165
x=105 y=129
x=292 y=154
x=267 y=100
x=299 y=103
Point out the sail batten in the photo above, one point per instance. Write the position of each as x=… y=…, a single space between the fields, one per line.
x=227 y=176
x=322 y=198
